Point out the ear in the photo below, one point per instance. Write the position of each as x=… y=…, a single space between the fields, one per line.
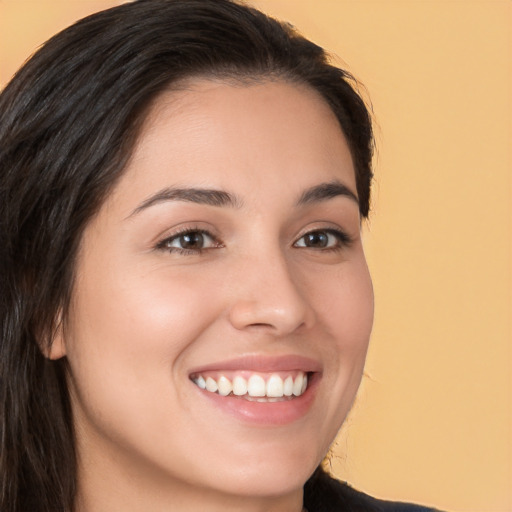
x=57 y=347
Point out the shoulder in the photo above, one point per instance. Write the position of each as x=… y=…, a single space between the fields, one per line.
x=323 y=493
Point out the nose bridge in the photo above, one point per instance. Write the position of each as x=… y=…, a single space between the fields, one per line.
x=268 y=295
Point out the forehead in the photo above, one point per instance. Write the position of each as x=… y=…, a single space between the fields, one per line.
x=247 y=136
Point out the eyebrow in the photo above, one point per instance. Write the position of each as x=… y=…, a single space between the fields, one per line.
x=219 y=198
x=326 y=191
x=210 y=197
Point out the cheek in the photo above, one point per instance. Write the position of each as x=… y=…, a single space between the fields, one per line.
x=142 y=311
x=343 y=303
x=126 y=336
x=352 y=324
x=355 y=311
x=125 y=322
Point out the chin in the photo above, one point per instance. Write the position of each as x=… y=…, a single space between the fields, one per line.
x=270 y=480
x=269 y=470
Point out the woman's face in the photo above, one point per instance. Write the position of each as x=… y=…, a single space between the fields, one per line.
x=229 y=253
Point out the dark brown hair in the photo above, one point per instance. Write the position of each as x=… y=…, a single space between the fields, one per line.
x=68 y=122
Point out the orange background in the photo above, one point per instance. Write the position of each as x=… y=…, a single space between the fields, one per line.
x=432 y=423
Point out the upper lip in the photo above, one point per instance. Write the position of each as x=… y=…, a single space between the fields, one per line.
x=263 y=364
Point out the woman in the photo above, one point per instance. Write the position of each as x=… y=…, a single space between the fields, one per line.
x=186 y=302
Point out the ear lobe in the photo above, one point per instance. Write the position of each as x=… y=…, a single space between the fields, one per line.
x=56 y=348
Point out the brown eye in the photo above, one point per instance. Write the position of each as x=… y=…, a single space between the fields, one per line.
x=316 y=239
x=189 y=241
x=192 y=240
x=323 y=239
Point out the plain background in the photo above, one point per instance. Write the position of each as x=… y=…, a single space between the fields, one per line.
x=432 y=422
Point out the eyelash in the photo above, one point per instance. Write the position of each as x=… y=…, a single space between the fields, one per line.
x=165 y=244
x=343 y=240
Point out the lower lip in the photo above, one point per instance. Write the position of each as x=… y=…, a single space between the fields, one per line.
x=266 y=413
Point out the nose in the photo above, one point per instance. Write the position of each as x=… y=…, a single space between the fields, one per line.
x=268 y=296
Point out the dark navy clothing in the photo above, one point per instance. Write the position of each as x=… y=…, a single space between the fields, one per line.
x=325 y=494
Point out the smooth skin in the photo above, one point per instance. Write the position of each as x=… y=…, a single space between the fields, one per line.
x=166 y=284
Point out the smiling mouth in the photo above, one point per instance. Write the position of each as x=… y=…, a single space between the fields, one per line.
x=252 y=386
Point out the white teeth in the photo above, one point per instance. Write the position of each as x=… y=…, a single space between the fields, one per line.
x=239 y=386
x=200 y=382
x=225 y=386
x=255 y=388
x=211 y=385
x=297 y=385
x=288 y=386
x=275 y=386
